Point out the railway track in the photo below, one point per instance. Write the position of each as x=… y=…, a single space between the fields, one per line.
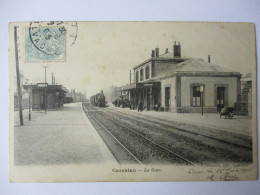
x=170 y=142
x=223 y=149
x=142 y=149
x=118 y=160
x=237 y=143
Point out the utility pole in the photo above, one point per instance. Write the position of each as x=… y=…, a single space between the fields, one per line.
x=201 y=94
x=202 y=103
x=130 y=77
x=18 y=77
x=52 y=78
x=45 y=91
x=30 y=92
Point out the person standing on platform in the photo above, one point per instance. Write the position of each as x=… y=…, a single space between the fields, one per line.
x=140 y=106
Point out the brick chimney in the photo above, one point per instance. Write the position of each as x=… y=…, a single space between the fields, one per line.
x=153 y=54
x=176 y=50
x=157 y=52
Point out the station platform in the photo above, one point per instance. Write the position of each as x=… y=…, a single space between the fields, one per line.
x=239 y=124
x=63 y=136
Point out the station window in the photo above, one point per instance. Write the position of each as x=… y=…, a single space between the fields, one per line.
x=136 y=77
x=141 y=74
x=147 y=70
x=196 y=99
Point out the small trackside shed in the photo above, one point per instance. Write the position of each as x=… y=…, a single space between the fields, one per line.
x=52 y=99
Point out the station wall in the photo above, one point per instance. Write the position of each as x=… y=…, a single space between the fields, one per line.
x=172 y=83
x=180 y=99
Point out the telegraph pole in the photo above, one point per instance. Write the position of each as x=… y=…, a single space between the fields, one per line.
x=45 y=91
x=130 y=77
x=201 y=94
x=18 y=77
x=202 y=103
x=30 y=92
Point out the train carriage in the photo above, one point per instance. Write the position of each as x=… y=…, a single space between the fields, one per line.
x=68 y=99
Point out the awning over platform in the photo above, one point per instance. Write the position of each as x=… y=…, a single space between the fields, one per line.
x=127 y=87
x=139 y=86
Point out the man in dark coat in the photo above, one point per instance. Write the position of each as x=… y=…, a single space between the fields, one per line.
x=140 y=106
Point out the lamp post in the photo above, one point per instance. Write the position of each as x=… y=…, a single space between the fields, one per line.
x=201 y=94
x=45 y=91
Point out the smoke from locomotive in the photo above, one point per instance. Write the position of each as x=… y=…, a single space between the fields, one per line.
x=98 y=99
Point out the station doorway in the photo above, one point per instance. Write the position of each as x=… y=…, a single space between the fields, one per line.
x=167 y=98
x=42 y=101
x=221 y=95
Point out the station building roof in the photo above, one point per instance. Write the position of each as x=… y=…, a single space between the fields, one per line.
x=49 y=87
x=247 y=77
x=196 y=66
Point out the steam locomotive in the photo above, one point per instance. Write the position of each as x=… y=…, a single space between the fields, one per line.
x=98 y=100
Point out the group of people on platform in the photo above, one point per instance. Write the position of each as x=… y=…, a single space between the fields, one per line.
x=132 y=104
x=140 y=106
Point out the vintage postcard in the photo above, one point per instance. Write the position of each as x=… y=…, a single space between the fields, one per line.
x=132 y=101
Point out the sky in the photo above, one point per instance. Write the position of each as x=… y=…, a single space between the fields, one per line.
x=104 y=52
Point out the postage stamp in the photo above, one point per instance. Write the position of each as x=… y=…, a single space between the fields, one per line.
x=46 y=41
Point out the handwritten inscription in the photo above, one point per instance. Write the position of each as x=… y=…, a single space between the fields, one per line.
x=221 y=173
x=225 y=173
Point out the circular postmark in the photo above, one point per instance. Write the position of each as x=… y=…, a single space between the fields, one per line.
x=51 y=37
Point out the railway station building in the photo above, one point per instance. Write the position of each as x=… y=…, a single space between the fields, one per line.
x=246 y=94
x=181 y=84
x=44 y=95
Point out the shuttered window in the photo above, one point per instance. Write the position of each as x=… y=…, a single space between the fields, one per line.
x=141 y=74
x=147 y=71
x=196 y=99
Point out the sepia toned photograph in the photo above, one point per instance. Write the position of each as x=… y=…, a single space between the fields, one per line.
x=132 y=101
